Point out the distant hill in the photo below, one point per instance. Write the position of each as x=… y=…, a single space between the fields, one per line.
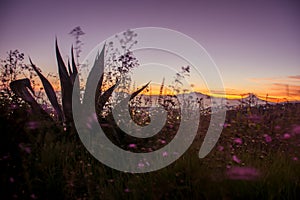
x=206 y=100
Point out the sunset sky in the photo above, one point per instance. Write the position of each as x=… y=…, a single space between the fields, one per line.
x=255 y=44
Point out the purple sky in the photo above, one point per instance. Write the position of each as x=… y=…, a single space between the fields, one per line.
x=255 y=44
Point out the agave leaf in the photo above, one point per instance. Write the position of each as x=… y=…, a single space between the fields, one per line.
x=63 y=73
x=74 y=72
x=138 y=91
x=49 y=91
x=96 y=71
x=75 y=79
x=20 y=88
x=66 y=86
x=98 y=90
x=101 y=100
x=69 y=69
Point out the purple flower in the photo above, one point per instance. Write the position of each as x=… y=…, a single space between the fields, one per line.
x=220 y=148
x=32 y=124
x=11 y=179
x=163 y=141
x=242 y=173
x=295 y=158
x=164 y=154
x=277 y=127
x=254 y=118
x=286 y=136
x=296 y=129
x=236 y=159
x=267 y=138
x=14 y=106
x=141 y=165
x=238 y=141
x=24 y=148
x=33 y=196
x=27 y=150
x=225 y=125
x=126 y=190
x=132 y=145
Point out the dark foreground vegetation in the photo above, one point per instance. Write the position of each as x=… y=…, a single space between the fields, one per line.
x=256 y=157
x=42 y=157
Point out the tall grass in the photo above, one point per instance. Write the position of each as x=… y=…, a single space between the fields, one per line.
x=44 y=162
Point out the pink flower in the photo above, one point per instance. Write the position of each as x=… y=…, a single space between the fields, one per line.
x=11 y=179
x=277 y=127
x=267 y=138
x=33 y=196
x=236 y=159
x=254 y=118
x=163 y=141
x=33 y=125
x=242 y=173
x=132 y=145
x=296 y=129
x=295 y=158
x=141 y=165
x=27 y=150
x=220 y=148
x=164 y=154
x=126 y=190
x=24 y=148
x=238 y=141
x=286 y=136
x=225 y=125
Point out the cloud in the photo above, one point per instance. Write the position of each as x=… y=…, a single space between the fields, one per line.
x=292 y=80
x=264 y=79
x=294 y=77
x=285 y=89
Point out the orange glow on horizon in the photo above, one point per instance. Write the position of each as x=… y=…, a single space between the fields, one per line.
x=238 y=94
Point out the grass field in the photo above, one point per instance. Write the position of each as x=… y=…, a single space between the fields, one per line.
x=256 y=157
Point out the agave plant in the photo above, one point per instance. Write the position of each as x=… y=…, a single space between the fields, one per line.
x=68 y=77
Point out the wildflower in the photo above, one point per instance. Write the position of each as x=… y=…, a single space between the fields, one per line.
x=141 y=165
x=11 y=179
x=225 y=125
x=254 y=118
x=126 y=190
x=236 y=159
x=286 y=136
x=132 y=145
x=32 y=125
x=296 y=129
x=267 y=138
x=33 y=196
x=220 y=148
x=164 y=154
x=24 y=148
x=242 y=173
x=162 y=141
x=295 y=158
x=14 y=106
x=238 y=141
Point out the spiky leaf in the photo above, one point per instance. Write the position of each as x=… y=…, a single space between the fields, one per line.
x=138 y=91
x=66 y=86
x=49 y=92
x=21 y=88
